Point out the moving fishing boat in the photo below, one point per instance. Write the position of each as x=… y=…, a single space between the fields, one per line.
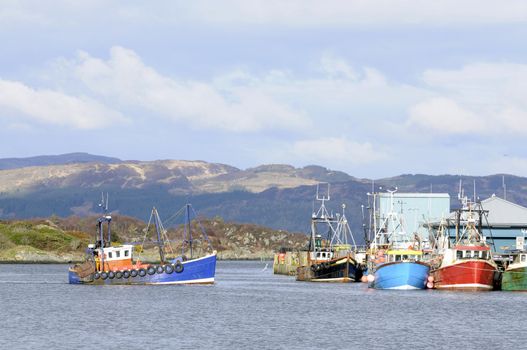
x=335 y=257
x=395 y=260
x=115 y=264
x=468 y=265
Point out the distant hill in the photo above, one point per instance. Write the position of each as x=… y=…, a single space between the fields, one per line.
x=275 y=195
x=69 y=158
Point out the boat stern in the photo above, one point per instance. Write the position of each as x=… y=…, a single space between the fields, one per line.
x=402 y=276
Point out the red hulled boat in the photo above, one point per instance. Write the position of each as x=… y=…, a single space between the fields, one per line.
x=468 y=265
x=467 y=268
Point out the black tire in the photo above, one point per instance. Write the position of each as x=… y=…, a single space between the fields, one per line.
x=118 y=275
x=313 y=268
x=169 y=269
x=160 y=269
x=151 y=270
x=104 y=275
x=126 y=274
x=133 y=273
x=96 y=275
x=111 y=275
x=327 y=265
x=178 y=267
x=142 y=272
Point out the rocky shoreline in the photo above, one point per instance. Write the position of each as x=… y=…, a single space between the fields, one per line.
x=63 y=241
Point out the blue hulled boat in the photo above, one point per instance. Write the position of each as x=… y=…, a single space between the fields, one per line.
x=108 y=264
x=394 y=260
x=195 y=271
x=402 y=271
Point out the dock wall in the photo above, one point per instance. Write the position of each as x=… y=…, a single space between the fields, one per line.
x=288 y=262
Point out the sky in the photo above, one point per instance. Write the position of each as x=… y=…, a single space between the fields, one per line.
x=375 y=88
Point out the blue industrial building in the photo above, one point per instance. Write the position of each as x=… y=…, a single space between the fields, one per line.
x=416 y=209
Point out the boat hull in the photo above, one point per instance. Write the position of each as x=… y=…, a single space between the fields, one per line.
x=401 y=275
x=514 y=279
x=196 y=271
x=339 y=270
x=472 y=275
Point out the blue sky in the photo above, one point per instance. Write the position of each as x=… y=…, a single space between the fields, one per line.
x=373 y=88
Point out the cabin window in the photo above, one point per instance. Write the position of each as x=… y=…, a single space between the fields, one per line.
x=117 y=254
x=397 y=258
x=523 y=258
x=459 y=254
x=318 y=255
x=110 y=255
x=484 y=255
x=126 y=253
x=405 y=257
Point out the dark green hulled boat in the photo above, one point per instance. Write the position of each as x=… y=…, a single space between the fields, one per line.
x=515 y=275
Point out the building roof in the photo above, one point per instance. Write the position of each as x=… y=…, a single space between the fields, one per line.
x=502 y=213
x=415 y=195
x=505 y=213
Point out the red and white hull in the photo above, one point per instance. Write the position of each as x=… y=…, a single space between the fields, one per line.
x=471 y=275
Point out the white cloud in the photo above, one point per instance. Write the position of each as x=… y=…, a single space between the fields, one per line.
x=358 y=12
x=504 y=165
x=334 y=95
x=296 y=13
x=336 y=67
x=483 y=98
x=236 y=108
x=53 y=107
x=336 y=151
x=444 y=115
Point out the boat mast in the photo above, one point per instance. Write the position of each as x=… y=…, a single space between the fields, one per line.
x=322 y=216
x=100 y=223
x=189 y=229
x=160 y=241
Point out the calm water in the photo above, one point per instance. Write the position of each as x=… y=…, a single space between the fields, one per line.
x=248 y=308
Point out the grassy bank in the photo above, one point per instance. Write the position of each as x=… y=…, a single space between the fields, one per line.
x=57 y=240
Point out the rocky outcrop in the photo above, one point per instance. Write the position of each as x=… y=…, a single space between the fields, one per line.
x=59 y=240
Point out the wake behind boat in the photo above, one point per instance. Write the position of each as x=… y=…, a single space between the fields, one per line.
x=107 y=264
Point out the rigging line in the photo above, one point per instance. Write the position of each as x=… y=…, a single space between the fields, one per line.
x=174 y=216
x=146 y=233
x=201 y=227
x=166 y=241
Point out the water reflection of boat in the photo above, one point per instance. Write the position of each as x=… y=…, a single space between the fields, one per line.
x=115 y=264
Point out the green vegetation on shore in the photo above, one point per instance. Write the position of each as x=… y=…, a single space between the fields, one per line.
x=65 y=239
